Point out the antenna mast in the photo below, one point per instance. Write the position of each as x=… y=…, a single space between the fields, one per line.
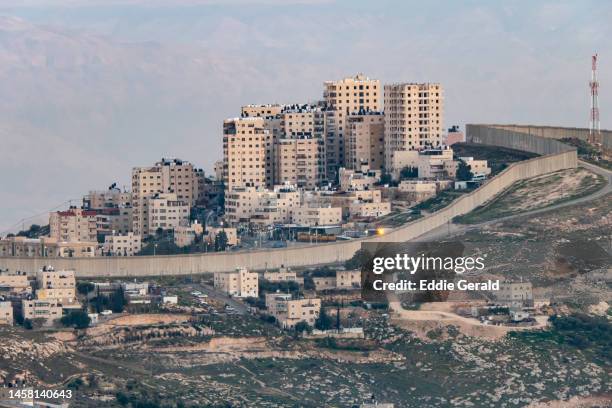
x=594 y=126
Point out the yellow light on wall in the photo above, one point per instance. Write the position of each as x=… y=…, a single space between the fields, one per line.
x=380 y=231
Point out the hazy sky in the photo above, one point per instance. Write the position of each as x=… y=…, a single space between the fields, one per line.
x=91 y=88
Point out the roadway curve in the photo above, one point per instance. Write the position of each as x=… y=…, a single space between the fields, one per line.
x=452 y=229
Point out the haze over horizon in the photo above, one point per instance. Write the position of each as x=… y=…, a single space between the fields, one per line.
x=92 y=88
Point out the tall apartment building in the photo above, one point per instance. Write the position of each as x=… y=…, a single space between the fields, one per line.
x=240 y=283
x=300 y=162
x=166 y=176
x=271 y=114
x=365 y=140
x=244 y=152
x=344 y=97
x=413 y=118
x=73 y=225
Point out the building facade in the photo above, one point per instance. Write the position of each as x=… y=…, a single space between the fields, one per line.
x=168 y=176
x=166 y=211
x=244 y=153
x=413 y=118
x=240 y=283
x=122 y=244
x=365 y=140
x=343 y=98
x=73 y=225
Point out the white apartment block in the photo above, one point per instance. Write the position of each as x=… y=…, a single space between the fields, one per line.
x=413 y=118
x=167 y=212
x=6 y=313
x=240 y=283
x=73 y=225
x=244 y=152
x=343 y=98
x=122 y=244
x=168 y=176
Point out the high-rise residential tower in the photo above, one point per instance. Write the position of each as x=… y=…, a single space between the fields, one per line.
x=344 y=97
x=413 y=118
x=244 y=152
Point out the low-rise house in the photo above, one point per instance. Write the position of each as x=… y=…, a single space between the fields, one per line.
x=6 y=313
x=186 y=235
x=289 y=312
x=515 y=294
x=325 y=283
x=14 y=283
x=316 y=215
x=240 y=283
x=283 y=275
x=49 y=310
x=362 y=179
x=343 y=280
x=169 y=300
x=230 y=233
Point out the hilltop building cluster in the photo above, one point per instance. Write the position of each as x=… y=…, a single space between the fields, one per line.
x=305 y=172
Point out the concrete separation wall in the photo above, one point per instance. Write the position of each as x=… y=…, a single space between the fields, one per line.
x=556 y=156
x=553 y=132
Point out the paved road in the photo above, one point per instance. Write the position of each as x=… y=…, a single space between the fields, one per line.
x=221 y=297
x=449 y=230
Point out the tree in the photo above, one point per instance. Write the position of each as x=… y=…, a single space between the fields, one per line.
x=27 y=324
x=221 y=241
x=301 y=327
x=77 y=319
x=323 y=322
x=117 y=301
x=409 y=173
x=464 y=172
x=358 y=260
x=85 y=287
